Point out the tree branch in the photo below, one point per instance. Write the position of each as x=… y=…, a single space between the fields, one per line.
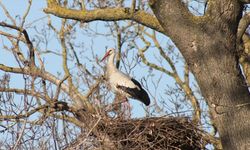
x=61 y=36
x=245 y=58
x=20 y=116
x=54 y=107
x=244 y=23
x=178 y=22
x=176 y=15
x=59 y=88
x=108 y=14
x=22 y=91
x=27 y=39
x=12 y=36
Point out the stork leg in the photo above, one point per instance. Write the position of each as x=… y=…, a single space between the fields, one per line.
x=121 y=106
x=126 y=109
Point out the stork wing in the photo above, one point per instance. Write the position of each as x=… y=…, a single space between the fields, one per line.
x=137 y=92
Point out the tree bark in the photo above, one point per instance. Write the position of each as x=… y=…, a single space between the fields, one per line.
x=208 y=44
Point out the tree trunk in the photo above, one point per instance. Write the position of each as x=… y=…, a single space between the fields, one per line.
x=208 y=45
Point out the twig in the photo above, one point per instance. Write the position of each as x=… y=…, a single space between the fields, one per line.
x=133 y=5
x=20 y=135
x=59 y=88
x=90 y=131
x=26 y=36
x=7 y=13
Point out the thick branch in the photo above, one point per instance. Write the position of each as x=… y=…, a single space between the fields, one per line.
x=245 y=58
x=244 y=23
x=178 y=23
x=175 y=13
x=108 y=14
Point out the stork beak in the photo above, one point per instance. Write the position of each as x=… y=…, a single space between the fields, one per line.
x=105 y=56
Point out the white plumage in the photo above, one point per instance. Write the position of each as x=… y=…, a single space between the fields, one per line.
x=121 y=83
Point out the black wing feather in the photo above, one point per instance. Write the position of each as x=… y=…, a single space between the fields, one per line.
x=136 y=93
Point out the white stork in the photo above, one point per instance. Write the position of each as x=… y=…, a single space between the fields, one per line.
x=121 y=83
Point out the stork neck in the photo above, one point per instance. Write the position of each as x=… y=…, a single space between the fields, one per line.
x=111 y=67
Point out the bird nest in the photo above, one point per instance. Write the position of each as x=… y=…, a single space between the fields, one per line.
x=170 y=133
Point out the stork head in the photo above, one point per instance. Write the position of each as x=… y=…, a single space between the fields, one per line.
x=108 y=53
